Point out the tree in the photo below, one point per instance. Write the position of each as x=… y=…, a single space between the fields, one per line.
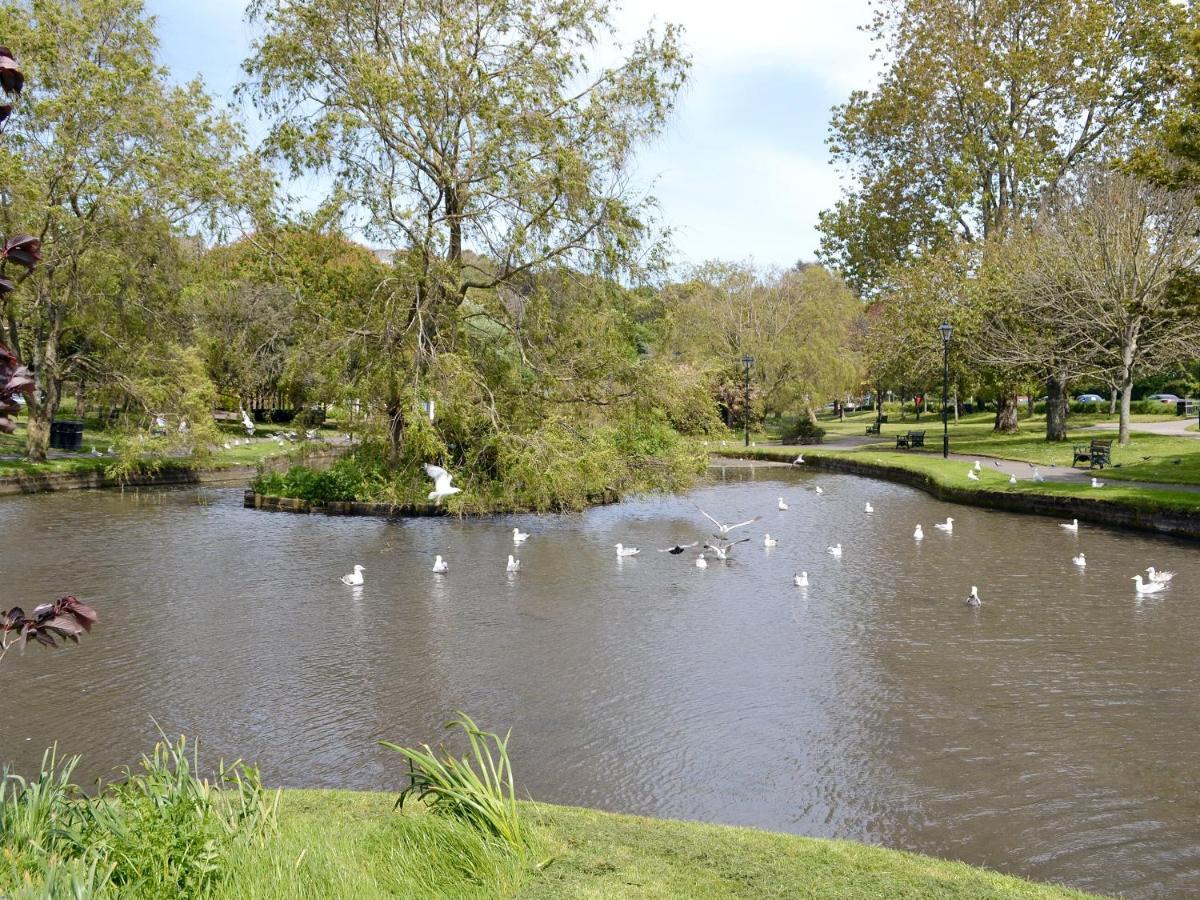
x=983 y=106
x=1106 y=277
x=66 y=618
x=104 y=145
x=799 y=326
x=459 y=126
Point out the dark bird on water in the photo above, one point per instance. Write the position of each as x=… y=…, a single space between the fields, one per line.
x=679 y=548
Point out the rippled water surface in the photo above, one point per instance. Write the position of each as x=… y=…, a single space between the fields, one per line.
x=1051 y=733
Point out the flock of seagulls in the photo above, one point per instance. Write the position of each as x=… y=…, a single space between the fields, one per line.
x=721 y=546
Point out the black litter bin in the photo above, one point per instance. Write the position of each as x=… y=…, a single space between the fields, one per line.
x=66 y=434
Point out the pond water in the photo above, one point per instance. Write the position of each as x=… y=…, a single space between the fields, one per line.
x=1050 y=733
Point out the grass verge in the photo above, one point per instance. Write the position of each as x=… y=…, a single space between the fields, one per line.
x=345 y=844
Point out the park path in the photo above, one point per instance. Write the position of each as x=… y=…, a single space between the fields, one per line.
x=1174 y=428
x=1022 y=469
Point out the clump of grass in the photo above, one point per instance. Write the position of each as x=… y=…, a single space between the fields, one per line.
x=477 y=788
x=161 y=831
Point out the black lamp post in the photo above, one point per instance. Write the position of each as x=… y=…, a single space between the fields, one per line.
x=945 y=329
x=747 y=364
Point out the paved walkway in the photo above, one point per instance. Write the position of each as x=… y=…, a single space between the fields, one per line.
x=1174 y=428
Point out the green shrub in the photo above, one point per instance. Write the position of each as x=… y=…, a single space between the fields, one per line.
x=803 y=431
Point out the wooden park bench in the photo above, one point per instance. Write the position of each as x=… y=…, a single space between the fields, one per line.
x=912 y=439
x=1097 y=453
x=873 y=428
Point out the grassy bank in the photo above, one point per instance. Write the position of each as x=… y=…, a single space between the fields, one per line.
x=343 y=844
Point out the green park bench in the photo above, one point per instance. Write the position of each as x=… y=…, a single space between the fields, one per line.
x=873 y=428
x=1097 y=453
x=912 y=439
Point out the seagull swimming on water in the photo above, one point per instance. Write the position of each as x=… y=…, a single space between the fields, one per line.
x=800 y=580
x=440 y=566
x=835 y=551
x=918 y=534
x=947 y=526
x=514 y=565
x=973 y=597
x=519 y=536
x=725 y=529
x=441 y=483
x=1159 y=577
x=769 y=541
x=1072 y=526
x=818 y=489
x=355 y=578
x=782 y=506
x=1079 y=560
x=868 y=508
x=1152 y=587
x=627 y=551
x=678 y=548
x=701 y=562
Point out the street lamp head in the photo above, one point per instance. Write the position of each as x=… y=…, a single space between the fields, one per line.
x=945 y=329
x=747 y=361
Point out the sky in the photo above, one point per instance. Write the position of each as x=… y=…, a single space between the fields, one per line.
x=742 y=170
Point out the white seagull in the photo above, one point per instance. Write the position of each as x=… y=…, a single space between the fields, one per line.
x=627 y=551
x=440 y=566
x=1012 y=479
x=800 y=580
x=918 y=534
x=769 y=541
x=1159 y=577
x=519 y=536
x=1073 y=526
x=782 y=506
x=701 y=562
x=1079 y=560
x=799 y=460
x=514 y=565
x=355 y=578
x=1097 y=483
x=973 y=597
x=971 y=476
x=835 y=551
x=868 y=508
x=977 y=466
x=227 y=445
x=95 y=452
x=1152 y=587
x=818 y=489
x=1037 y=476
x=947 y=526
x=725 y=552
x=441 y=483
x=725 y=529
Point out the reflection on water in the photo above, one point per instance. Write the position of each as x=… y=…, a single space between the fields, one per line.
x=1049 y=733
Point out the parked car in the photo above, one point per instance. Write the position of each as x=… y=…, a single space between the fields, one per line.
x=1089 y=398
x=1164 y=398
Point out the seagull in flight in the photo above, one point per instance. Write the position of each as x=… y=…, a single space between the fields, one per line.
x=679 y=548
x=799 y=460
x=725 y=529
x=441 y=483
x=725 y=552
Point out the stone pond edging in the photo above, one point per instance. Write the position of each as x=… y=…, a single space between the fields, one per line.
x=1175 y=523
x=339 y=507
x=172 y=476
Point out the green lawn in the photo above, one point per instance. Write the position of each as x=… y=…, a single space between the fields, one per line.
x=342 y=844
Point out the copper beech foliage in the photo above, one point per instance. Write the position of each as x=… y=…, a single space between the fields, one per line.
x=63 y=620
x=66 y=618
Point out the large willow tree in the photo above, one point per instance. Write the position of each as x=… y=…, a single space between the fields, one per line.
x=475 y=138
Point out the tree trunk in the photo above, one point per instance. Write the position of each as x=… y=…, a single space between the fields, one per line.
x=954 y=400
x=1113 y=393
x=395 y=414
x=1056 y=408
x=80 y=399
x=1126 y=396
x=1006 y=414
x=43 y=405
